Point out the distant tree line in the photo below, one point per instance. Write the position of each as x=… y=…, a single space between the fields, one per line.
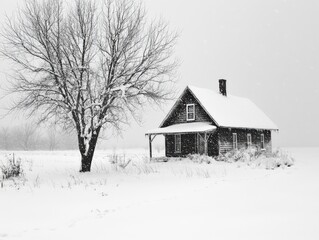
x=28 y=136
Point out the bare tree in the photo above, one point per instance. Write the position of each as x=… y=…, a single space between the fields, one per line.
x=27 y=136
x=52 y=138
x=5 y=137
x=88 y=66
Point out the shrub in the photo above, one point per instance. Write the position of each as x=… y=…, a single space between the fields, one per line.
x=253 y=156
x=144 y=168
x=243 y=154
x=12 y=167
x=197 y=158
x=274 y=160
x=119 y=161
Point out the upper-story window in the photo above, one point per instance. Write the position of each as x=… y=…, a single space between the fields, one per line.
x=234 y=140
x=248 y=139
x=190 y=112
x=262 y=139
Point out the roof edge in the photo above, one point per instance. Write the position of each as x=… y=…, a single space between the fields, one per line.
x=271 y=129
x=173 y=107
x=176 y=103
x=188 y=87
x=194 y=95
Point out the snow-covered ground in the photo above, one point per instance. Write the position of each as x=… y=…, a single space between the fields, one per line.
x=173 y=200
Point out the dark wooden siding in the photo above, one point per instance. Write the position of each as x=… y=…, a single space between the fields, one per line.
x=213 y=147
x=220 y=141
x=225 y=136
x=179 y=113
x=189 y=145
x=169 y=145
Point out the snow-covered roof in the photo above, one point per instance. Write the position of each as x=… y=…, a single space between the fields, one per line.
x=232 y=111
x=229 y=111
x=184 y=128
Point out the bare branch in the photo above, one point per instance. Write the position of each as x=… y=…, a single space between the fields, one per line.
x=90 y=65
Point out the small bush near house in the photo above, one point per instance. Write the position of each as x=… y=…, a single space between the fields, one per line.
x=253 y=156
x=243 y=154
x=274 y=160
x=11 y=167
x=197 y=158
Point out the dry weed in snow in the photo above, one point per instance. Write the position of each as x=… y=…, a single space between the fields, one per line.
x=190 y=197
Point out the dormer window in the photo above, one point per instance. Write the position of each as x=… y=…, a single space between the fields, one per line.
x=190 y=112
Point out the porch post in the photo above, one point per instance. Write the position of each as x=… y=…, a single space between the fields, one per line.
x=206 y=140
x=150 y=145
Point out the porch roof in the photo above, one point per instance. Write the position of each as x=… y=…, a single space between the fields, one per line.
x=193 y=127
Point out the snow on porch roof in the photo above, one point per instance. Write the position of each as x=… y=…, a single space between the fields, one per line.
x=184 y=128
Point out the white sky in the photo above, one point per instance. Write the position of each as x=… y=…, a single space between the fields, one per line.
x=267 y=50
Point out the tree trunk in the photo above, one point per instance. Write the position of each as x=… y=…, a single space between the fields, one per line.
x=87 y=157
x=86 y=162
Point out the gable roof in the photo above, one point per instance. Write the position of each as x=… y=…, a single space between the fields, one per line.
x=230 y=111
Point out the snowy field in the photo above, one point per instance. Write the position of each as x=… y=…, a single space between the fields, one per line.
x=172 y=200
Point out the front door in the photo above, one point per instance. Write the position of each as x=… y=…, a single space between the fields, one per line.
x=200 y=143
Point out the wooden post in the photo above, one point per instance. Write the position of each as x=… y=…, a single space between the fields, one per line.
x=206 y=140
x=150 y=145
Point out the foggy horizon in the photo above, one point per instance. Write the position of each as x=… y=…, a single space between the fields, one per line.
x=267 y=51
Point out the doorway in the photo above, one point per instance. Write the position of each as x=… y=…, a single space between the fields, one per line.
x=200 y=143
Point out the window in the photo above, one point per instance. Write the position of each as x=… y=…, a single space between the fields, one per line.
x=178 y=143
x=190 y=112
x=234 y=140
x=249 y=140
x=262 y=139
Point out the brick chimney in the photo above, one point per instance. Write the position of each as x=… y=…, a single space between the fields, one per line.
x=222 y=87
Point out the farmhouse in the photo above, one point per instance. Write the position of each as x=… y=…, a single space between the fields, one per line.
x=206 y=122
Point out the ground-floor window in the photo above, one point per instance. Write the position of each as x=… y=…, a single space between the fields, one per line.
x=262 y=139
x=178 y=143
x=234 y=140
x=249 y=140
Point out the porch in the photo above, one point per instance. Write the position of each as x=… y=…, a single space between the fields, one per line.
x=185 y=138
